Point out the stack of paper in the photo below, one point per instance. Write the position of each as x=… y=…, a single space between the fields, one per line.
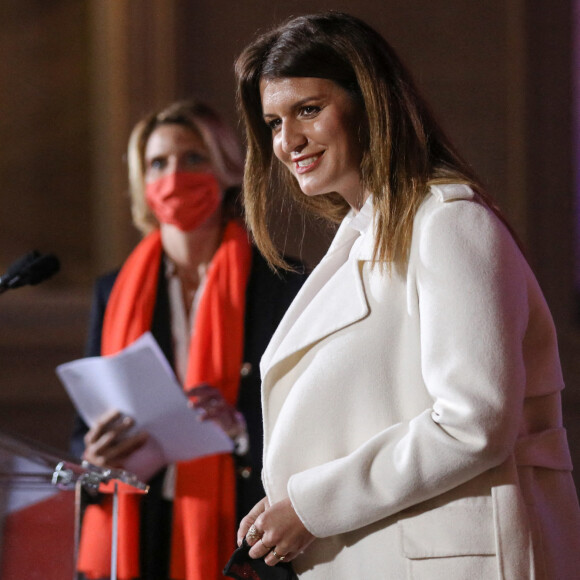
x=139 y=382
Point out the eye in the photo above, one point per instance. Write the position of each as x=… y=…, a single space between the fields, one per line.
x=157 y=163
x=310 y=110
x=274 y=124
x=193 y=158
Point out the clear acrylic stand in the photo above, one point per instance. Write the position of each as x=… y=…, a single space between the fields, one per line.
x=30 y=470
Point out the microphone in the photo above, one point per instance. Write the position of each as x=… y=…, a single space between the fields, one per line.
x=31 y=268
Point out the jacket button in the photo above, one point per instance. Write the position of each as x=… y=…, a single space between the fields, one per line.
x=246 y=369
x=245 y=472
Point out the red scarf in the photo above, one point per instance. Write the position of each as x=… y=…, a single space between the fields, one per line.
x=204 y=512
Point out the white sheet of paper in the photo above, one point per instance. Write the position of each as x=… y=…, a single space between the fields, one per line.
x=139 y=382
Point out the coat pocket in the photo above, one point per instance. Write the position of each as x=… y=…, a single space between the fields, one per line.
x=455 y=540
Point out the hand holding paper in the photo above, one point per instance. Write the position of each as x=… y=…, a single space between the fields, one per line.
x=139 y=382
x=112 y=440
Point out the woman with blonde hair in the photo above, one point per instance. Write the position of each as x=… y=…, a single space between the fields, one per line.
x=411 y=394
x=212 y=303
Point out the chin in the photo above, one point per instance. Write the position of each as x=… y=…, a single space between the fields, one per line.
x=312 y=190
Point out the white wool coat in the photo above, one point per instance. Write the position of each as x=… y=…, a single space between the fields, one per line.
x=413 y=417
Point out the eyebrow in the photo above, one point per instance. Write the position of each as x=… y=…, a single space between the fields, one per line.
x=186 y=151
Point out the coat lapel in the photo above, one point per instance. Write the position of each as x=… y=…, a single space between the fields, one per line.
x=323 y=306
x=320 y=308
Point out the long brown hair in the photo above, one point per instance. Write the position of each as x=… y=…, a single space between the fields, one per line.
x=222 y=144
x=405 y=150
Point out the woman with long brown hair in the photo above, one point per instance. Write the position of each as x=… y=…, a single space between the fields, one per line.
x=411 y=394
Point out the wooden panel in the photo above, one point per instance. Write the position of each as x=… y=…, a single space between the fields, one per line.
x=44 y=134
x=132 y=74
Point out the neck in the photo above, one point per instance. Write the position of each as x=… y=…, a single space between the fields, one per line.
x=192 y=251
x=357 y=199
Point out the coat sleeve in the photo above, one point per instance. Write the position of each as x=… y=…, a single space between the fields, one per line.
x=468 y=280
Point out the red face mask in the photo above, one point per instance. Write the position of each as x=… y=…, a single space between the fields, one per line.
x=183 y=199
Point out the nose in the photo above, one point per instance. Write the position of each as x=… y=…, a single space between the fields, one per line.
x=173 y=164
x=292 y=137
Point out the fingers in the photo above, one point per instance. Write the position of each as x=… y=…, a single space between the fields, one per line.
x=208 y=399
x=248 y=521
x=276 y=556
x=272 y=555
x=200 y=390
x=253 y=534
x=112 y=452
x=282 y=535
x=212 y=406
x=255 y=538
x=109 y=441
x=112 y=420
x=118 y=453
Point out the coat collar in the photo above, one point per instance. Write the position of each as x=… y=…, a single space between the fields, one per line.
x=305 y=322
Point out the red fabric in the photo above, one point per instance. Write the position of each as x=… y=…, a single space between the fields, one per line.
x=38 y=540
x=203 y=535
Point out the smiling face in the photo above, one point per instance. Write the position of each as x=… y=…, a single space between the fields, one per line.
x=314 y=124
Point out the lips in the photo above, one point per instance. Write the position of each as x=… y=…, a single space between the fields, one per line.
x=307 y=163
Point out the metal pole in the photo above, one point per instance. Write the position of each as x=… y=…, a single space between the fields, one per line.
x=78 y=522
x=115 y=533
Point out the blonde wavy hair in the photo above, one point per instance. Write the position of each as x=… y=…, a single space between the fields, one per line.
x=404 y=149
x=224 y=149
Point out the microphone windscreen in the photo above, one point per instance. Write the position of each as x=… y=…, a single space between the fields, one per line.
x=41 y=269
x=16 y=267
